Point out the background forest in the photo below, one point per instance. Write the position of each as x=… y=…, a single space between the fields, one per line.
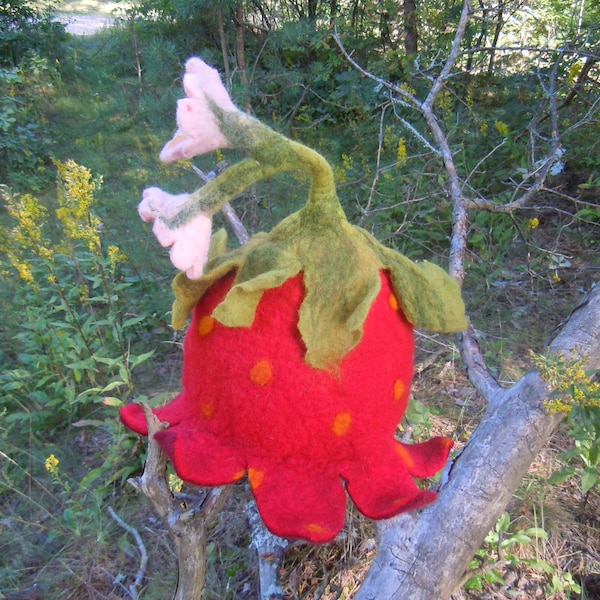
x=85 y=294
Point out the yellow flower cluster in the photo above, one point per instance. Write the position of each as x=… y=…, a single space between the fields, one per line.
x=26 y=237
x=533 y=223
x=175 y=484
x=51 y=464
x=115 y=255
x=574 y=71
x=401 y=153
x=502 y=128
x=568 y=377
x=341 y=172
x=75 y=199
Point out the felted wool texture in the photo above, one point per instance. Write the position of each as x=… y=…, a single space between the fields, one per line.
x=340 y=262
x=251 y=405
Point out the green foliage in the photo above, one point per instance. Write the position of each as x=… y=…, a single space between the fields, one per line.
x=26 y=26
x=78 y=311
x=575 y=393
x=25 y=137
x=500 y=548
x=74 y=331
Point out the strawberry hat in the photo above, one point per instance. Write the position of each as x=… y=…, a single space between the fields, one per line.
x=298 y=358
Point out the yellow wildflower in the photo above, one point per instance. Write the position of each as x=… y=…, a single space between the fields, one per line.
x=24 y=270
x=51 y=464
x=401 y=153
x=483 y=127
x=389 y=137
x=574 y=72
x=115 y=255
x=533 y=223
x=408 y=89
x=175 y=484
x=469 y=97
x=502 y=128
x=75 y=198
x=347 y=161
x=570 y=380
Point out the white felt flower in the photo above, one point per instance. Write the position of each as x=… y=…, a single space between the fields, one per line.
x=198 y=129
x=189 y=242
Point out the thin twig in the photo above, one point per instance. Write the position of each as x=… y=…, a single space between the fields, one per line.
x=241 y=233
x=365 y=210
x=141 y=572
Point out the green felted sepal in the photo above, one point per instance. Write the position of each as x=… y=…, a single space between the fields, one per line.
x=430 y=298
x=340 y=265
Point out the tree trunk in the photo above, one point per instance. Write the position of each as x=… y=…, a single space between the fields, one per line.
x=497 y=30
x=423 y=556
x=224 y=52
x=411 y=34
x=240 y=54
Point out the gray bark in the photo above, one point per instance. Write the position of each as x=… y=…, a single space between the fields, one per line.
x=423 y=556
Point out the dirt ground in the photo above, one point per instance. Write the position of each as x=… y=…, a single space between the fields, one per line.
x=85 y=24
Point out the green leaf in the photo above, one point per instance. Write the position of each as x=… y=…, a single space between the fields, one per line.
x=474 y=584
x=111 y=401
x=562 y=475
x=494 y=576
x=112 y=385
x=134 y=361
x=541 y=566
x=89 y=422
x=588 y=479
x=517 y=538
x=503 y=522
x=535 y=532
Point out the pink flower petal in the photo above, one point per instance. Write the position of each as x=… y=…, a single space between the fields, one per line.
x=157 y=203
x=200 y=79
x=198 y=129
x=189 y=243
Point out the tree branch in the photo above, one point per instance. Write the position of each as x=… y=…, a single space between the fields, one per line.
x=423 y=556
x=187 y=526
x=141 y=572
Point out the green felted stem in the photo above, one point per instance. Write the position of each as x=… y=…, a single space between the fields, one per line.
x=340 y=263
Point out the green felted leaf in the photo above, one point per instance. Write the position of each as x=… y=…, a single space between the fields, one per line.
x=430 y=297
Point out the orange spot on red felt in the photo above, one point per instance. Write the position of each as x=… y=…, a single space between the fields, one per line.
x=238 y=475
x=393 y=302
x=255 y=477
x=208 y=409
x=341 y=423
x=315 y=528
x=205 y=325
x=405 y=455
x=399 y=389
x=262 y=372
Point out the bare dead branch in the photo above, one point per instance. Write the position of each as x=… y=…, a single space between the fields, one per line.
x=240 y=232
x=365 y=210
x=141 y=572
x=269 y=549
x=187 y=526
